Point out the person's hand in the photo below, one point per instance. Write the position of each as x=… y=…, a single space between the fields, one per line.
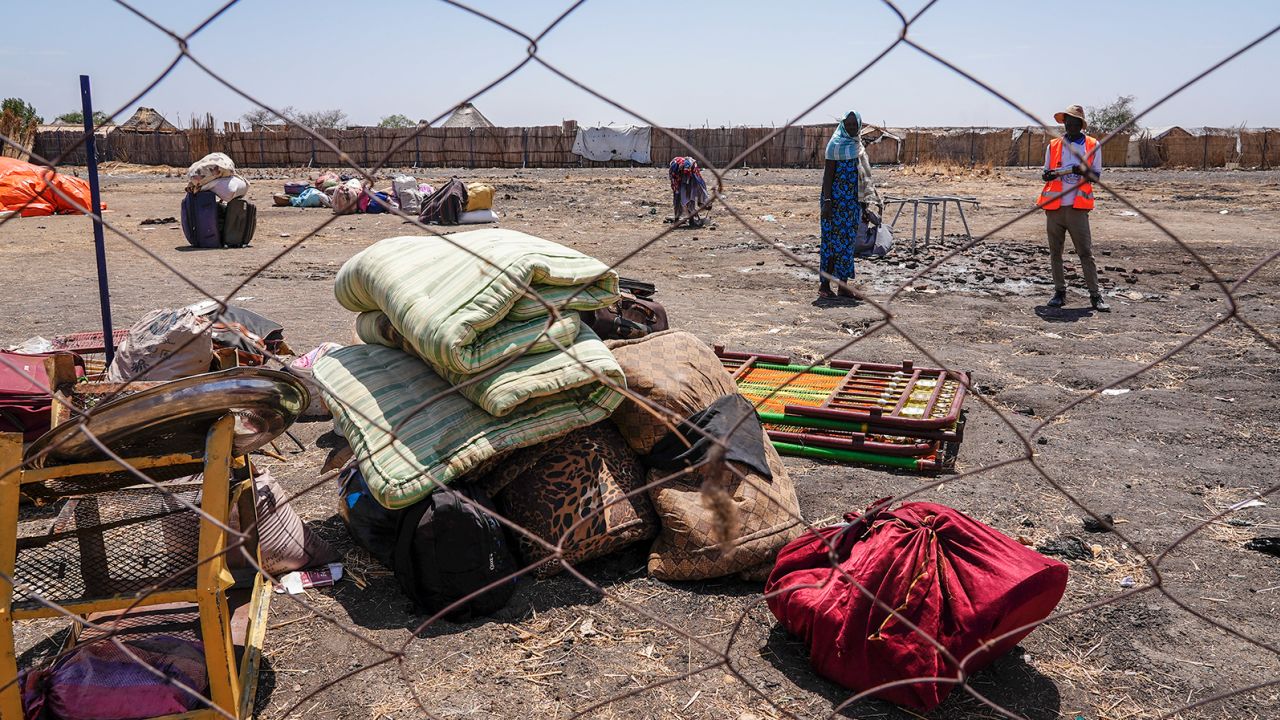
x=1048 y=175
x=873 y=218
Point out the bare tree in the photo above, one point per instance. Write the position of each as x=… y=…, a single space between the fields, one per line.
x=259 y=118
x=329 y=119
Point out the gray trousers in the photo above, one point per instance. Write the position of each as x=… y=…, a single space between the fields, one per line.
x=1069 y=220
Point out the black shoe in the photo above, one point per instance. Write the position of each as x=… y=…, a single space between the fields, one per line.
x=1059 y=299
x=1098 y=304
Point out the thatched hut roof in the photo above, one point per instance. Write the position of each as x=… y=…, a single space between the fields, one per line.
x=467 y=116
x=146 y=119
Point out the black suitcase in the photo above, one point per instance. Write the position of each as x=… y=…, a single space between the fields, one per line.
x=241 y=219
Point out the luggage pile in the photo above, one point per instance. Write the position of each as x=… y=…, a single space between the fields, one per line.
x=215 y=212
x=898 y=416
x=454 y=203
x=471 y=397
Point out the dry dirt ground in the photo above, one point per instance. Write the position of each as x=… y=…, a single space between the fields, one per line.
x=1188 y=439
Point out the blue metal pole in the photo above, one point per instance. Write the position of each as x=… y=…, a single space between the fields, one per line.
x=100 y=249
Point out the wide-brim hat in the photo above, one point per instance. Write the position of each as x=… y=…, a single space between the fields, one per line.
x=1074 y=111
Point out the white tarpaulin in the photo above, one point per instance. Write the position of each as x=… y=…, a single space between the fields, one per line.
x=613 y=142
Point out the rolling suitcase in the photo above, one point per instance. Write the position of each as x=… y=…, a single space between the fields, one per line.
x=200 y=221
x=241 y=220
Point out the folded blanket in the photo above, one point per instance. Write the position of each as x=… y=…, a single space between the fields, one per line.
x=525 y=377
x=459 y=300
x=406 y=452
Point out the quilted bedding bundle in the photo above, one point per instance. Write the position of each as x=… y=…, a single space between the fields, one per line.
x=460 y=302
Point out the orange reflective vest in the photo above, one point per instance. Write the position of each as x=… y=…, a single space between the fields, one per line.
x=1050 y=196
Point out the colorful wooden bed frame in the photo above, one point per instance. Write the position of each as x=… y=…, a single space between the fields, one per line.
x=896 y=415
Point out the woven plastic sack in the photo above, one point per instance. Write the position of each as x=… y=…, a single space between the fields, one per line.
x=164 y=345
x=346 y=197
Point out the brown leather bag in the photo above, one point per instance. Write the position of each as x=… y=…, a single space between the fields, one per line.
x=630 y=318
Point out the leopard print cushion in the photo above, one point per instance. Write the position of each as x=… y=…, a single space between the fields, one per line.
x=576 y=488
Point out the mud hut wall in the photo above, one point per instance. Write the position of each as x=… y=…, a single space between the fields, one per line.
x=1258 y=148
x=1221 y=147
x=1177 y=148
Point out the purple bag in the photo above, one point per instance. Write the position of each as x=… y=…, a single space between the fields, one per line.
x=201 y=219
x=295 y=188
x=98 y=681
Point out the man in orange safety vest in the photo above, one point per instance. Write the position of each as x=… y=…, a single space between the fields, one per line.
x=1071 y=163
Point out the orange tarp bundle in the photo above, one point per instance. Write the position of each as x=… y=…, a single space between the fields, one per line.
x=29 y=190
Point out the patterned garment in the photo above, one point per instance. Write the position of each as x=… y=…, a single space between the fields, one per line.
x=843 y=145
x=102 y=680
x=687 y=184
x=840 y=231
x=582 y=488
x=683 y=169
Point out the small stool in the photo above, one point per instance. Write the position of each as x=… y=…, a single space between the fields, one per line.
x=930 y=202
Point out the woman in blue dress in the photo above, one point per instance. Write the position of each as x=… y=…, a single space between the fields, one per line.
x=846 y=192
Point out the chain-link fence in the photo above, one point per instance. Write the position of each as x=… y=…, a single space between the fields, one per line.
x=652 y=629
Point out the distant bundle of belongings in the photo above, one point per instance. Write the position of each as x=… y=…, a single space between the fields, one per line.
x=899 y=416
x=919 y=592
x=215 y=212
x=471 y=396
x=455 y=203
x=32 y=190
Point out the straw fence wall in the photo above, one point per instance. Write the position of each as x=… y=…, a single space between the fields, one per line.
x=551 y=146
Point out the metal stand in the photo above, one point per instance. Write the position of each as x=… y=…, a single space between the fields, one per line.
x=930 y=202
x=82 y=566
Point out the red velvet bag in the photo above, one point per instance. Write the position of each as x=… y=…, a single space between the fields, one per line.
x=957 y=580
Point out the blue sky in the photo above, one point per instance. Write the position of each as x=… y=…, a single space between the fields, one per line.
x=677 y=63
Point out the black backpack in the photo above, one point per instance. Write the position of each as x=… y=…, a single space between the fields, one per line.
x=447 y=549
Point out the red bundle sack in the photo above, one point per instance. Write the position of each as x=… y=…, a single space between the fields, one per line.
x=957 y=580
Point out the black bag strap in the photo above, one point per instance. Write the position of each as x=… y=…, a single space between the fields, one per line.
x=402 y=565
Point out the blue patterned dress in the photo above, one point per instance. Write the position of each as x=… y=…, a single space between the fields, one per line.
x=841 y=230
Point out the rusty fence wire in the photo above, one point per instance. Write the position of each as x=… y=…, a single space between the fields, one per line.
x=720 y=650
